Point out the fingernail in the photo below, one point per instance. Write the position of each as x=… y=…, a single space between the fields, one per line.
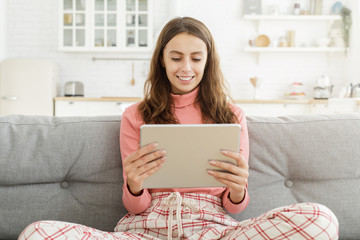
x=212 y=162
x=211 y=172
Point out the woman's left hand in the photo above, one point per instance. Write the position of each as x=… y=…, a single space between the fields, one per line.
x=235 y=177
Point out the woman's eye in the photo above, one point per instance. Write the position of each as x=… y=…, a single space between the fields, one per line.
x=176 y=59
x=197 y=59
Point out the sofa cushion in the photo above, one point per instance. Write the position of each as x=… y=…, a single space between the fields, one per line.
x=308 y=158
x=66 y=169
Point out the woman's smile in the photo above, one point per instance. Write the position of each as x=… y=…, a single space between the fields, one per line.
x=185 y=78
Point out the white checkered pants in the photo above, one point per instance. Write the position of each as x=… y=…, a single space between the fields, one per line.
x=199 y=216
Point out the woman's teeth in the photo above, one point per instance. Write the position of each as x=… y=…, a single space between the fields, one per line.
x=185 y=78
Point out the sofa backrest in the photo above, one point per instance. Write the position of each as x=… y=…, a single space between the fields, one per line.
x=69 y=169
x=307 y=158
x=54 y=168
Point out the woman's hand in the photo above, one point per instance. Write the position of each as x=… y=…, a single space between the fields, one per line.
x=235 y=178
x=141 y=164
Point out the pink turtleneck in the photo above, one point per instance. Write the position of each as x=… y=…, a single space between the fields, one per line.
x=187 y=113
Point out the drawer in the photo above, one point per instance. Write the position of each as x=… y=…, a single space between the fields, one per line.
x=71 y=108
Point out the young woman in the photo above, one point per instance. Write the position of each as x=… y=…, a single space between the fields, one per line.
x=186 y=86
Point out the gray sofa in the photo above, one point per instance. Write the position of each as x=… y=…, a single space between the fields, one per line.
x=69 y=169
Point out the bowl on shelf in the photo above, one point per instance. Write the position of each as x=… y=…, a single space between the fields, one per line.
x=262 y=41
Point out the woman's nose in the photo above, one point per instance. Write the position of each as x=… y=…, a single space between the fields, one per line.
x=186 y=67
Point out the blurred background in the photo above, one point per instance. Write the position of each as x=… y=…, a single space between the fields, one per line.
x=270 y=50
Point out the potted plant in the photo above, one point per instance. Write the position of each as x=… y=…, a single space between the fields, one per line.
x=346 y=25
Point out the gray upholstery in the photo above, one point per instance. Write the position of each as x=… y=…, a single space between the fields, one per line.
x=69 y=169
x=65 y=169
x=313 y=158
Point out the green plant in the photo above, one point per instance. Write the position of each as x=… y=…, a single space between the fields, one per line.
x=346 y=25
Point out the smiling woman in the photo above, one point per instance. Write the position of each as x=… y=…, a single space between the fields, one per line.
x=186 y=86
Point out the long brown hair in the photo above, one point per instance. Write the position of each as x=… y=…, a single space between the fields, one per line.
x=212 y=98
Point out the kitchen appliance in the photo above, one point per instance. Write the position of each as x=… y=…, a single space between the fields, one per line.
x=27 y=86
x=323 y=88
x=74 y=89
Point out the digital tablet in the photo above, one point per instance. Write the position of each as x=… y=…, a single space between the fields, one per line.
x=189 y=147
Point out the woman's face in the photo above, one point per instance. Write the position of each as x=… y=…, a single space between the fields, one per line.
x=184 y=58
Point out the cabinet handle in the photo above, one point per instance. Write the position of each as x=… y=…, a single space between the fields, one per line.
x=9 y=98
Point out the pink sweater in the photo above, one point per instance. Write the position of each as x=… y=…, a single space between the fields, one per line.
x=187 y=113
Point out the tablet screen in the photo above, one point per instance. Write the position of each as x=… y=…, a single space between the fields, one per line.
x=189 y=147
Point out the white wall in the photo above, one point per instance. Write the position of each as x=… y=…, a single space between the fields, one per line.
x=3 y=25
x=32 y=31
x=352 y=67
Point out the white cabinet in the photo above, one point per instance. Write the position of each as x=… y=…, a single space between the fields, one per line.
x=336 y=105
x=27 y=86
x=106 y=25
x=319 y=108
x=73 y=106
x=274 y=109
x=74 y=24
x=70 y=108
x=106 y=108
x=298 y=107
x=89 y=107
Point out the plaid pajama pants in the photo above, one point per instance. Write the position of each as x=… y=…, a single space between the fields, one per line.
x=199 y=216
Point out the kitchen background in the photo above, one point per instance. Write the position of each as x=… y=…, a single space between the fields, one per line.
x=30 y=29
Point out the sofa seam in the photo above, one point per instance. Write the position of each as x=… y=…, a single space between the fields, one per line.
x=303 y=121
x=56 y=125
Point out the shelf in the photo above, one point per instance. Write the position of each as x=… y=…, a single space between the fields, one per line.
x=294 y=17
x=293 y=49
x=262 y=22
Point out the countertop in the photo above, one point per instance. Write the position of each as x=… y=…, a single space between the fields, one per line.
x=136 y=99
x=99 y=99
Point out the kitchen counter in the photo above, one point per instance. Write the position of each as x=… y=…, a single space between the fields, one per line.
x=280 y=101
x=99 y=99
x=237 y=101
x=85 y=106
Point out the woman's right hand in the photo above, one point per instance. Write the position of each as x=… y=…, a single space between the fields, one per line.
x=141 y=164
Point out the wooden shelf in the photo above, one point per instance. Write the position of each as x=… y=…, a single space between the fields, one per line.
x=294 y=49
x=260 y=20
x=294 y=17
